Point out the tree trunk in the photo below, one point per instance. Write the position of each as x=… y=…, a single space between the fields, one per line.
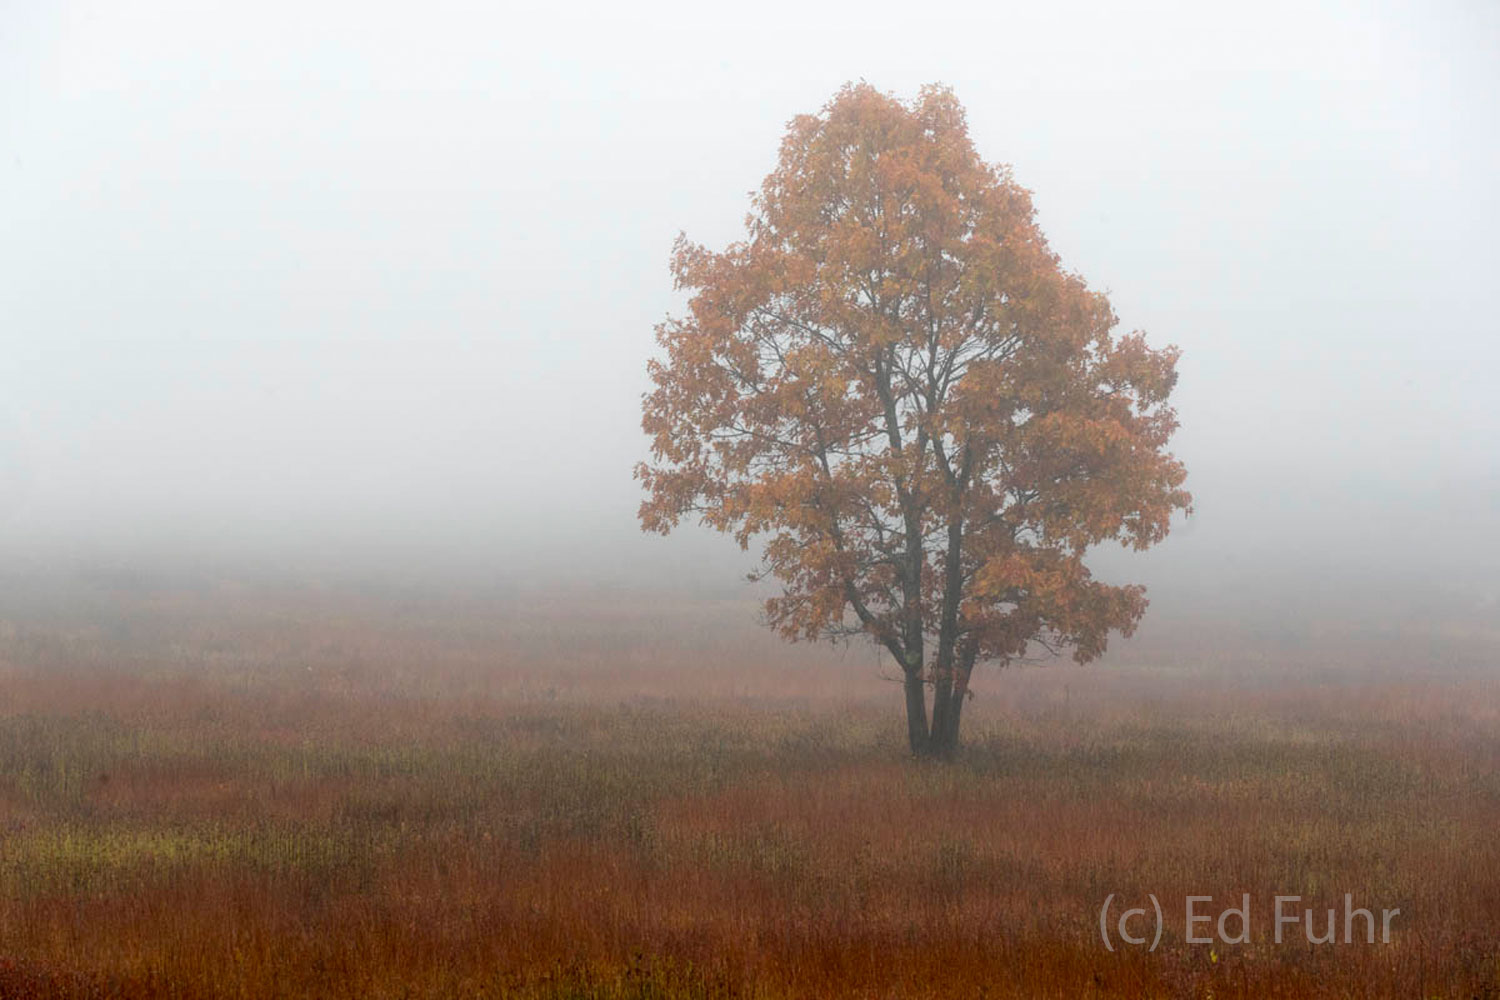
x=947 y=691
x=916 y=714
x=948 y=707
x=945 y=740
x=942 y=741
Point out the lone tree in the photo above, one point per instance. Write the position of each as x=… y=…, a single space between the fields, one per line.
x=893 y=383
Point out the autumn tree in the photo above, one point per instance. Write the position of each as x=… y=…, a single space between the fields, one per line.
x=893 y=385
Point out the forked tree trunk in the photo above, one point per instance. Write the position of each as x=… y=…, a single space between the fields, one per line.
x=943 y=740
x=917 y=731
x=945 y=734
x=940 y=738
x=949 y=677
x=950 y=693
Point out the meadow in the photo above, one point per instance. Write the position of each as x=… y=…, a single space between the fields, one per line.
x=240 y=791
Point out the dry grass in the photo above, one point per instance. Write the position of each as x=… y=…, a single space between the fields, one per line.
x=234 y=794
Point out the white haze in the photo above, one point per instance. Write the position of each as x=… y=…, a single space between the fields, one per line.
x=367 y=286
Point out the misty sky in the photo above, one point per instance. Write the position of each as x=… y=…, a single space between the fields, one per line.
x=324 y=279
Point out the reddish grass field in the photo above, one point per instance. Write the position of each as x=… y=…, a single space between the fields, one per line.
x=241 y=793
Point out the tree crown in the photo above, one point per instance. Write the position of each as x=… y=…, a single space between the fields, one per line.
x=893 y=383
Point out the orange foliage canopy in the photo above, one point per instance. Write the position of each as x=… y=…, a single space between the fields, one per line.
x=894 y=384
